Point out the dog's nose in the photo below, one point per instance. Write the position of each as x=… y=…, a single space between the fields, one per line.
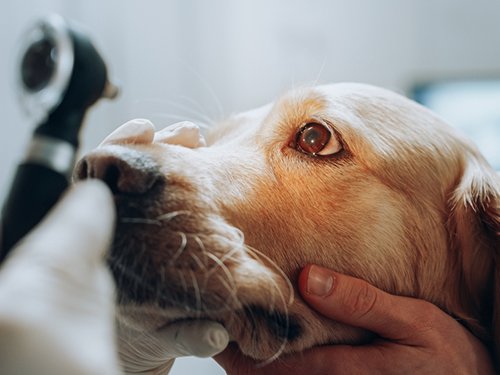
x=125 y=171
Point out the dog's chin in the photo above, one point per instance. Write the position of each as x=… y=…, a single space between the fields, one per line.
x=254 y=313
x=163 y=276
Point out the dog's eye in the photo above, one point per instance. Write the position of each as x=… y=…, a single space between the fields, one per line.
x=317 y=139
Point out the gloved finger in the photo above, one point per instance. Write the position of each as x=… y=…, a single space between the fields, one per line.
x=137 y=131
x=154 y=352
x=200 y=338
x=78 y=229
x=183 y=133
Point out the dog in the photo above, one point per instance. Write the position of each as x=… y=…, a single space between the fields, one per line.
x=348 y=176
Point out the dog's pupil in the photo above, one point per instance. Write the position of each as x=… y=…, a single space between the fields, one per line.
x=313 y=138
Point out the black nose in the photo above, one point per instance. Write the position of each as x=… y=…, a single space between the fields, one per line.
x=125 y=171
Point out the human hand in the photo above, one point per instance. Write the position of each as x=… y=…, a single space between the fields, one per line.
x=154 y=352
x=56 y=294
x=415 y=337
x=57 y=300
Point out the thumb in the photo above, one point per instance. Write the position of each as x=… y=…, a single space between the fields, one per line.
x=200 y=338
x=357 y=303
x=78 y=229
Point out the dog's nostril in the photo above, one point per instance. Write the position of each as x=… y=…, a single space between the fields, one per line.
x=124 y=173
x=111 y=178
x=81 y=172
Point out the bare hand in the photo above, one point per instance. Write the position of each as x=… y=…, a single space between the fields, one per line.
x=415 y=337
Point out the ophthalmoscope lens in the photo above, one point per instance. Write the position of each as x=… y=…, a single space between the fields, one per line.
x=38 y=65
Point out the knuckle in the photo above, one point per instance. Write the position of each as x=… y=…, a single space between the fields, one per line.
x=431 y=311
x=428 y=316
x=361 y=299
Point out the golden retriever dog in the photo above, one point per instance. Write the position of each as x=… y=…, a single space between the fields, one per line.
x=348 y=176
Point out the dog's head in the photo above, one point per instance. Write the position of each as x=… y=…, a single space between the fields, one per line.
x=348 y=176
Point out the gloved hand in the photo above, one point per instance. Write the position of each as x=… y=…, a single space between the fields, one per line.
x=56 y=301
x=154 y=352
x=56 y=294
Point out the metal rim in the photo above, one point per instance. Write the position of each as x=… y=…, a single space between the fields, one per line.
x=39 y=104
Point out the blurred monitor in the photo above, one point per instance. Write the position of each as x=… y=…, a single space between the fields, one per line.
x=472 y=105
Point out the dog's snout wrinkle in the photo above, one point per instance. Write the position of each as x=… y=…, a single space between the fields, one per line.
x=125 y=172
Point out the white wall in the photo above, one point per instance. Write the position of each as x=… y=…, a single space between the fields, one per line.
x=199 y=58
x=210 y=58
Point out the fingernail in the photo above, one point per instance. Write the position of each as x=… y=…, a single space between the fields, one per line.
x=319 y=281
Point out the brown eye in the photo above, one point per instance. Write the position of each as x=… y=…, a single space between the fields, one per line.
x=317 y=139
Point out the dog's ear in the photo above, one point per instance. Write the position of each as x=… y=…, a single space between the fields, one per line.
x=474 y=227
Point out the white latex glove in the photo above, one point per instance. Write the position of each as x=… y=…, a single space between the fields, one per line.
x=56 y=294
x=154 y=353
x=56 y=301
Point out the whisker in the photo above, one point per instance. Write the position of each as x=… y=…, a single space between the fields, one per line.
x=162 y=281
x=162 y=115
x=183 y=282
x=232 y=292
x=275 y=356
x=193 y=289
x=124 y=271
x=189 y=111
x=258 y=254
x=202 y=248
x=199 y=107
x=321 y=69
x=285 y=340
x=197 y=260
x=224 y=268
x=156 y=221
x=170 y=215
x=228 y=256
x=277 y=293
x=196 y=293
x=208 y=88
x=139 y=220
x=180 y=250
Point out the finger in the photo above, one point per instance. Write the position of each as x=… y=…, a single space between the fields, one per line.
x=138 y=131
x=150 y=352
x=78 y=229
x=183 y=133
x=200 y=338
x=355 y=302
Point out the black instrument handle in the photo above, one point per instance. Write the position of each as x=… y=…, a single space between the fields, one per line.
x=35 y=189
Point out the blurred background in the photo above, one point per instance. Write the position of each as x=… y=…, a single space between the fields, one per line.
x=203 y=60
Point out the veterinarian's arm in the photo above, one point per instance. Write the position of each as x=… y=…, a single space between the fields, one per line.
x=415 y=336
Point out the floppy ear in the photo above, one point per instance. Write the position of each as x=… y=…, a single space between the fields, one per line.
x=474 y=227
